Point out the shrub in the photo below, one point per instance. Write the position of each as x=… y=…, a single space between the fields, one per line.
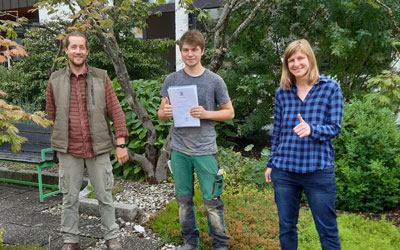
x=384 y=90
x=148 y=94
x=243 y=170
x=367 y=159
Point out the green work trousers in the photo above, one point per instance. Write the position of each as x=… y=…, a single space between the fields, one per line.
x=206 y=168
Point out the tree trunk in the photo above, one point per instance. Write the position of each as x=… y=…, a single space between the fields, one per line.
x=114 y=52
x=165 y=153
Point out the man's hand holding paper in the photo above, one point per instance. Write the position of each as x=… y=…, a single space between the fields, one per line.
x=198 y=112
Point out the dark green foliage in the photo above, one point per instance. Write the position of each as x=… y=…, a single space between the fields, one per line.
x=355 y=38
x=148 y=95
x=26 y=81
x=225 y=134
x=143 y=58
x=357 y=42
x=367 y=159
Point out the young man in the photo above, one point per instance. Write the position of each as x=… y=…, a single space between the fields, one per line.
x=80 y=101
x=195 y=148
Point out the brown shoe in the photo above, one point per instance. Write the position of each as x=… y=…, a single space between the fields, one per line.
x=113 y=244
x=70 y=246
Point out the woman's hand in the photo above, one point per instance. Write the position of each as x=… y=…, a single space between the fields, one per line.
x=302 y=129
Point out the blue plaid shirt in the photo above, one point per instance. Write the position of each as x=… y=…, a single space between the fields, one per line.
x=322 y=109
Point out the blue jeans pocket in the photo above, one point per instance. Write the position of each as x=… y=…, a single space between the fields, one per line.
x=328 y=170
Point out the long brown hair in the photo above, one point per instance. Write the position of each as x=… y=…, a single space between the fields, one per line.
x=312 y=74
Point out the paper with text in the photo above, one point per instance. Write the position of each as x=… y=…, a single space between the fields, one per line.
x=182 y=99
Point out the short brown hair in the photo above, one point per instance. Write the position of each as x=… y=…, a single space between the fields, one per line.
x=304 y=46
x=192 y=37
x=75 y=33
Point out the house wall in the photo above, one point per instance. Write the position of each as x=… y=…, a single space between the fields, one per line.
x=14 y=4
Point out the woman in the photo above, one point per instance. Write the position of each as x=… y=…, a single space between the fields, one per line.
x=308 y=114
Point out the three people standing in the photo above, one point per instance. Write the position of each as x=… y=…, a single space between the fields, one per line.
x=308 y=114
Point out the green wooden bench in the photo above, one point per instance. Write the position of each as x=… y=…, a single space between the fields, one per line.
x=36 y=151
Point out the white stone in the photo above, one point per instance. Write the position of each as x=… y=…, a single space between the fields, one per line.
x=139 y=228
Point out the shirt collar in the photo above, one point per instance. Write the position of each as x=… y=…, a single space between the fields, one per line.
x=88 y=70
x=322 y=79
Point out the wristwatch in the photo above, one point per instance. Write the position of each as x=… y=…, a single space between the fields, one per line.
x=121 y=146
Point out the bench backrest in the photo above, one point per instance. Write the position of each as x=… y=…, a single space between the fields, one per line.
x=38 y=139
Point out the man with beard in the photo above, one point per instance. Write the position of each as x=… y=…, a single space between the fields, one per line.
x=80 y=101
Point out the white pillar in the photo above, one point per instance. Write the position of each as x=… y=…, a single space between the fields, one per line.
x=181 y=26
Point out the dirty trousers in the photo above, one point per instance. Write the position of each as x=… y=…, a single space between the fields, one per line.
x=211 y=185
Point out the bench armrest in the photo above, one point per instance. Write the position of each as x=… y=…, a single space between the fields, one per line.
x=43 y=153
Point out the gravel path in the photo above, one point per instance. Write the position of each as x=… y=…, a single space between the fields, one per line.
x=148 y=198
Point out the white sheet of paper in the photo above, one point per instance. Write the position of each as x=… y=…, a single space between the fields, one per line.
x=182 y=99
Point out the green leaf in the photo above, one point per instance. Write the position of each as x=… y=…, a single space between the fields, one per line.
x=229 y=133
x=249 y=147
x=137 y=169
x=126 y=172
x=108 y=23
x=229 y=122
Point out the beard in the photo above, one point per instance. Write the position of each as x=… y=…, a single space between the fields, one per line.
x=76 y=63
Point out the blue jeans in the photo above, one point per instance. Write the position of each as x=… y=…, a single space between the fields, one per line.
x=320 y=189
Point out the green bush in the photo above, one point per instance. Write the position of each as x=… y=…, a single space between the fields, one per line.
x=148 y=94
x=367 y=159
x=243 y=170
x=384 y=91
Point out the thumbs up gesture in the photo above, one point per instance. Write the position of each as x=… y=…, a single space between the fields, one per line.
x=302 y=129
x=167 y=109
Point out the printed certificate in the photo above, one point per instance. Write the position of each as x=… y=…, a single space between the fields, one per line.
x=182 y=99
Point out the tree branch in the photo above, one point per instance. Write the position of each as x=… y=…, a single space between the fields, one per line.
x=239 y=6
x=225 y=12
x=55 y=62
x=245 y=23
x=390 y=14
x=165 y=153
